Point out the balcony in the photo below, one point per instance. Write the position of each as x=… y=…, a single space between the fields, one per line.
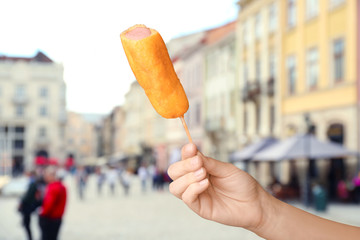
x=20 y=99
x=270 y=87
x=251 y=91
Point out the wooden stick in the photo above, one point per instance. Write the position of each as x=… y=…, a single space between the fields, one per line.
x=186 y=129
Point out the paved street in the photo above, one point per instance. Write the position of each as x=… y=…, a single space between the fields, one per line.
x=154 y=215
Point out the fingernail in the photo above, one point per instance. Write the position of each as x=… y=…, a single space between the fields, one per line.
x=194 y=161
x=199 y=172
x=203 y=182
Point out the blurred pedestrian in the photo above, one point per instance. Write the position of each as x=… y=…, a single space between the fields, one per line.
x=143 y=175
x=100 y=179
x=112 y=178
x=30 y=201
x=81 y=179
x=152 y=174
x=70 y=164
x=53 y=206
x=125 y=181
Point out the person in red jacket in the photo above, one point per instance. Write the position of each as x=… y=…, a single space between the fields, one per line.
x=53 y=206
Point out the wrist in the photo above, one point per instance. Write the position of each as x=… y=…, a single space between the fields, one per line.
x=271 y=215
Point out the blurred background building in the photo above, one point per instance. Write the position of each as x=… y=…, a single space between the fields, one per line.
x=32 y=110
x=319 y=76
x=258 y=49
x=80 y=139
x=282 y=67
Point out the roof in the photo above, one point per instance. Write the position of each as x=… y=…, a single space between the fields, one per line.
x=216 y=34
x=39 y=57
x=183 y=46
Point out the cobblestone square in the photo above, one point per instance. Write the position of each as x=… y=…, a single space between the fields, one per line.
x=153 y=215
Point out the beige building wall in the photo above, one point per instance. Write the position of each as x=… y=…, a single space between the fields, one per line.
x=220 y=92
x=258 y=56
x=193 y=73
x=32 y=97
x=81 y=138
x=118 y=130
x=135 y=106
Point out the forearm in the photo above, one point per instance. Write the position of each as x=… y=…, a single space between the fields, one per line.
x=288 y=222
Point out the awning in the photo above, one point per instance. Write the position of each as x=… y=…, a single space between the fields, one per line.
x=249 y=151
x=302 y=146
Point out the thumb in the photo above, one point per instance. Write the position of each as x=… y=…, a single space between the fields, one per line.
x=215 y=167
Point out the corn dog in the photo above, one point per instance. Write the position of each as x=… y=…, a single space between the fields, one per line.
x=150 y=62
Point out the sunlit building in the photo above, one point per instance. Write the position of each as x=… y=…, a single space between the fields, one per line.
x=106 y=148
x=319 y=76
x=220 y=91
x=32 y=110
x=143 y=129
x=81 y=139
x=258 y=46
x=258 y=49
x=118 y=135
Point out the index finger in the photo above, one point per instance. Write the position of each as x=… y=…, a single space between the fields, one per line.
x=185 y=166
x=188 y=151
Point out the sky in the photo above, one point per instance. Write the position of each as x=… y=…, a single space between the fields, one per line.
x=84 y=36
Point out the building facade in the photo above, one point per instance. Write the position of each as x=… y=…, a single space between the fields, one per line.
x=32 y=110
x=319 y=75
x=81 y=139
x=258 y=55
x=220 y=92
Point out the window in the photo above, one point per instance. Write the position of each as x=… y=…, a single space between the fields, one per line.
x=19 y=144
x=312 y=68
x=245 y=73
x=257 y=118
x=291 y=13
x=43 y=112
x=20 y=91
x=335 y=3
x=272 y=17
x=246 y=34
x=272 y=65
x=312 y=8
x=19 y=129
x=291 y=74
x=42 y=132
x=258 y=30
x=338 y=60
x=19 y=111
x=272 y=118
x=43 y=92
x=245 y=115
x=257 y=70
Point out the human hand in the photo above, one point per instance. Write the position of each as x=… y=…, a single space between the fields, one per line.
x=218 y=191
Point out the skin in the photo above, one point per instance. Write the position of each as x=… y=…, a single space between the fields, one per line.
x=49 y=176
x=223 y=193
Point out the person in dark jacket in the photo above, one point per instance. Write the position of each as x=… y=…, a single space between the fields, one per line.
x=53 y=207
x=30 y=202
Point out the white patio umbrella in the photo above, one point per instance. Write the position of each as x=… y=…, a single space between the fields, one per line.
x=302 y=146
x=248 y=152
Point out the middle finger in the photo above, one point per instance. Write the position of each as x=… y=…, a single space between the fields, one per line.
x=185 y=166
